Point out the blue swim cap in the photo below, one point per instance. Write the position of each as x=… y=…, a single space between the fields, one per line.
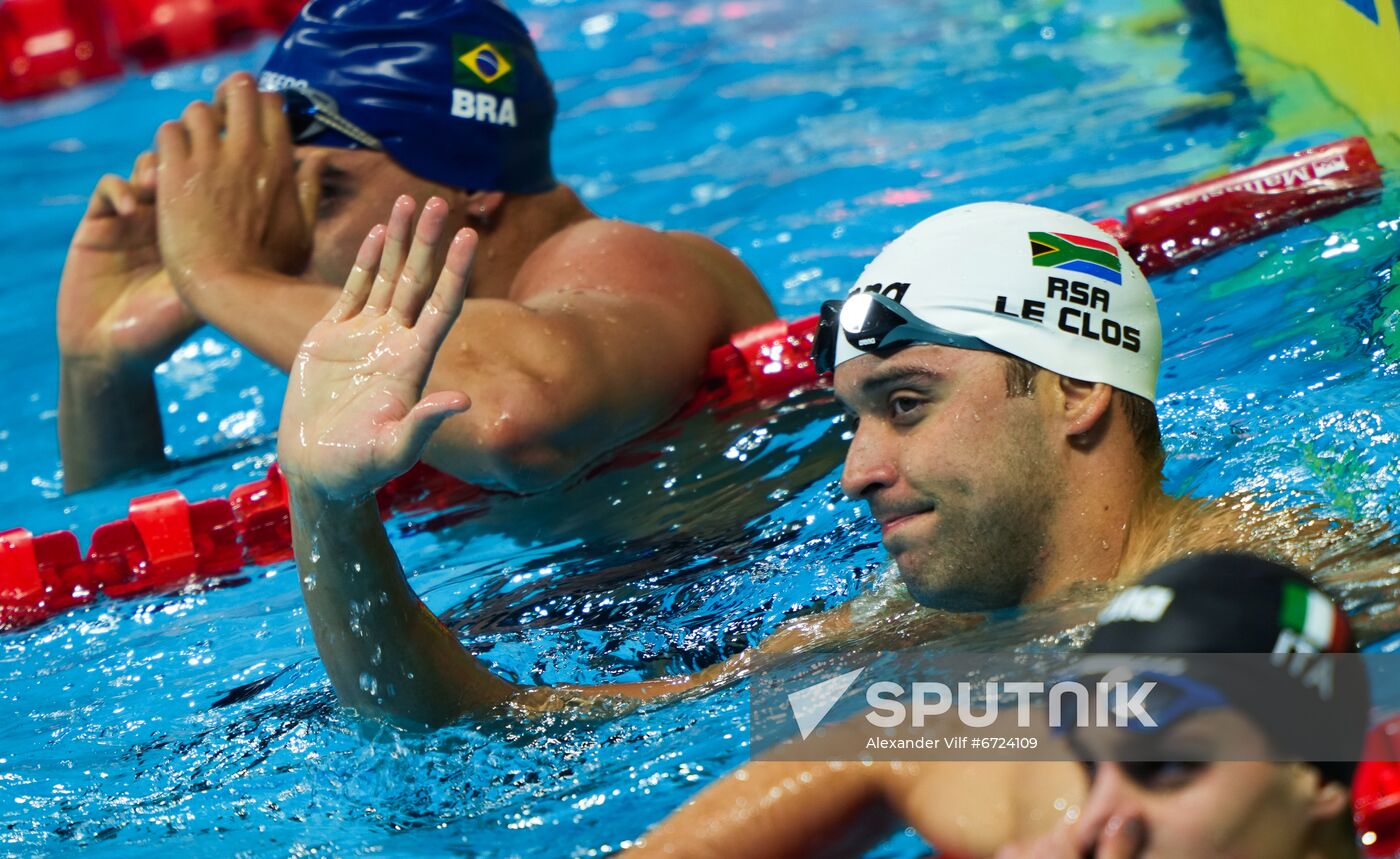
x=451 y=89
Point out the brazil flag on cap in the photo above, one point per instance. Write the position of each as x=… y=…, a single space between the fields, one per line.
x=480 y=64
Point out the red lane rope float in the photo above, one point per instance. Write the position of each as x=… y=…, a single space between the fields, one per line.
x=168 y=542
x=46 y=46
x=1375 y=792
x=1178 y=227
x=52 y=45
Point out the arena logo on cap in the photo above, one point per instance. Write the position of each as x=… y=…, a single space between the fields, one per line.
x=1078 y=254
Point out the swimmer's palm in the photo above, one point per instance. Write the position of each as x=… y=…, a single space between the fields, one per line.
x=355 y=415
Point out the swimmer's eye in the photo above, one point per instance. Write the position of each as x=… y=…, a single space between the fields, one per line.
x=903 y=407
x=1163 y=775
x=332 y=189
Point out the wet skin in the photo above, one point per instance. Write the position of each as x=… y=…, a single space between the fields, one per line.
x=252 y=230
x=960 y=475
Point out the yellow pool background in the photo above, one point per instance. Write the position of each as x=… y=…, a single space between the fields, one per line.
x=1351 y=46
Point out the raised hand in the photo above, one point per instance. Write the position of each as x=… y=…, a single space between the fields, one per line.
x=232 y=197
x=355 y=415
x=116 y=305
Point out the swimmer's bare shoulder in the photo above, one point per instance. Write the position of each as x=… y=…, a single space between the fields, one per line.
x=1236 y=522
x=617 y=256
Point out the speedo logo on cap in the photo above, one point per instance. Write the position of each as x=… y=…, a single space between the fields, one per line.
x=1078 y=254
x=481 y=64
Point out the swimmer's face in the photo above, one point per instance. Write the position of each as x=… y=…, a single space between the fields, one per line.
x=963 y=478
x=358 y=188
x=1225 y=809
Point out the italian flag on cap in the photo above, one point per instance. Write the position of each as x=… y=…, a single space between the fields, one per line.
x=1317 y=620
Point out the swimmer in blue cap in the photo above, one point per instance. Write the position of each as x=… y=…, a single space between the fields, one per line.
x=578 y=333
x=1234 y=791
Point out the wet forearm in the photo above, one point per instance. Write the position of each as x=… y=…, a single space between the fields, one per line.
x=775 y=810
x=108 y=422
x=387 y=655
x=268 y=313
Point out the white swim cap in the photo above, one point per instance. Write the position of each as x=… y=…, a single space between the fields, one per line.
x=1047 y=287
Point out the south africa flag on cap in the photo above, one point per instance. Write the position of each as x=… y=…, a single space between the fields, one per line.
x=1077 y=254
x=1315 y=618
x=482 y=64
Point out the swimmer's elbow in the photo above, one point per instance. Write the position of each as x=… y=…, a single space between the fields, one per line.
x=527 y=468
x=518 y=451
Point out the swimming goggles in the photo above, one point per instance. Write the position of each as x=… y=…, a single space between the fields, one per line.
x=1144 y=761
x=310 y=112
x=872 y=322
x=1169 y=698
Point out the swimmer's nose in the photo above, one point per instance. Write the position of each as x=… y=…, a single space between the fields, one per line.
x=870 y=465
x=1110 y=822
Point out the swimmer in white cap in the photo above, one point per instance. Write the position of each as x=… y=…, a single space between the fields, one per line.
x=1000 y=360
x=1001 y=363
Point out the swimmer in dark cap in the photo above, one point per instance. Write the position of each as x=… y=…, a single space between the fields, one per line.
x=1219 y=805
x=579 y=333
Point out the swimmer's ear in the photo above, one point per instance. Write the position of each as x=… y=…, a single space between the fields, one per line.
x=481 y=208
x=1085 y=404
x=1329 y=799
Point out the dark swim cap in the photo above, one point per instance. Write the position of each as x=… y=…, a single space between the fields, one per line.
x=452 y=89
x=1238 y=604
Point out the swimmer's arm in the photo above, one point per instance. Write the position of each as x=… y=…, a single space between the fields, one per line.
x=569 y=371
x=612 y=698
x=387 y=655
x=266 y=312
x=873 y=616
x=109 y=416
x=108 y=422
x=773 y=809
x=117 y=318
x=776 y=810
x=606 y=333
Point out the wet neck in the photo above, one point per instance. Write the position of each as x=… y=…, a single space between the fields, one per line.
x=521 y=224
x=1098 y=523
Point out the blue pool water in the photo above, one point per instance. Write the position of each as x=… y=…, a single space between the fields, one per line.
x=803 y=134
